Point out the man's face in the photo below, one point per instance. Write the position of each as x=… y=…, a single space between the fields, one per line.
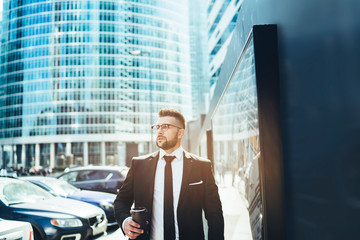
x=171 y=138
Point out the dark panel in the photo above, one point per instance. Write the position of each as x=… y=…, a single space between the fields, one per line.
x=319 y=59
x=271 y=161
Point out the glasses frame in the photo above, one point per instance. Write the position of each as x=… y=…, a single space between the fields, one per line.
x=153 y=127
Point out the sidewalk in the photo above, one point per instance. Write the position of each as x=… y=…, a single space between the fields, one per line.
x=236 y=216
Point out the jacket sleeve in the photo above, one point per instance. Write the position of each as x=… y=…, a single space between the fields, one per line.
x=125 y=198
x=212 y=206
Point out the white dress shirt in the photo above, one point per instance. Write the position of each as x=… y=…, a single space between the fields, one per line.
x=157 y=222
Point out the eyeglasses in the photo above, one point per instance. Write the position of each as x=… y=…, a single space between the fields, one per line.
x=163 y=127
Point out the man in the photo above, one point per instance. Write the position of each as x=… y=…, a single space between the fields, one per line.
x=174 y=186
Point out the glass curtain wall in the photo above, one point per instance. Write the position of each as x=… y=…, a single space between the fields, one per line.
x=67 y=69
x=222 y=16
x=236 y=138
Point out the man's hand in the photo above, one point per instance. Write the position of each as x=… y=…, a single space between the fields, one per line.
x=132 y=229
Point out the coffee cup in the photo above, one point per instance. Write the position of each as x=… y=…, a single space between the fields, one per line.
x=139 y=215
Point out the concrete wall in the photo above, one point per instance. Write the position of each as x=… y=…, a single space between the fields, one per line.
x=319 y=63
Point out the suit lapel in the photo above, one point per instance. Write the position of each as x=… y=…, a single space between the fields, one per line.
x=152 y=163
x=186 y=174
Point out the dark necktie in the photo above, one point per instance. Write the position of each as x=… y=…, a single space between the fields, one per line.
x=169 y=223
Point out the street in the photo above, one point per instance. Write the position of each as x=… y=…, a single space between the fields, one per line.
x=112 y=234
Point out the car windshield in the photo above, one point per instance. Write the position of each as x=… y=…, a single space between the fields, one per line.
x=61 y=187
x=22 y=192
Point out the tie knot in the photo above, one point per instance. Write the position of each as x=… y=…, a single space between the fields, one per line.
x=168 y=159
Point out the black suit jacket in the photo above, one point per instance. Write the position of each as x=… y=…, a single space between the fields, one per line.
x=139 y=188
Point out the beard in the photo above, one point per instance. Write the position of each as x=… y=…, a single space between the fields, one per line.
x=166 y=144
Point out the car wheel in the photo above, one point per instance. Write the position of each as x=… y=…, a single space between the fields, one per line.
x=37 y=235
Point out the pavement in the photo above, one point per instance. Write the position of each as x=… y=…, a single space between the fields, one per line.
x=236 y=215
x=237 y=225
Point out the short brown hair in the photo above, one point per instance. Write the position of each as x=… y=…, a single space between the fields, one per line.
x=168 y=112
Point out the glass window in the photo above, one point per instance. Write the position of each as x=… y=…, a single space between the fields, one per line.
x=71 y=177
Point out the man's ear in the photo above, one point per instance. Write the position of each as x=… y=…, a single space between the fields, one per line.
x=181 y=133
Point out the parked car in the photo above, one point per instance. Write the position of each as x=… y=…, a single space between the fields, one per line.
x=61 y=188
x=7 y=172
x=51 y=217
x=15 y=230
x=96 y=178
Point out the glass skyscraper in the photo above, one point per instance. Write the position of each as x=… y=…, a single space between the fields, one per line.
x=199 y=57
x=222 y=16
x=82 y=80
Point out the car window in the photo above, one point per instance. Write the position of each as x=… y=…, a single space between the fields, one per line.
x=98 y=174
x=70 y=177
x=83 y=176
x=116 y=175
x=88 y=175
x=61 y=187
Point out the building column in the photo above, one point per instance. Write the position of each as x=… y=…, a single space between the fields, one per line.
x=37 y=156
x=11 y=156
x=121 y=152
x=86 y=153
x=68 y=149
x=16 y=160
x=23 y=155
x=68 y=154
x=52 y=155
x=1 y=156
x=103 y=154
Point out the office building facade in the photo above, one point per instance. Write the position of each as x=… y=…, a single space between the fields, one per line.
x=199 y=57
x=82 y=81
x=222 y=16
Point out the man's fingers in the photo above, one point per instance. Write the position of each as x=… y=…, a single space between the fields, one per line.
x=134 y=224
x=132 y=228
x=132 y=235
x=135 y=230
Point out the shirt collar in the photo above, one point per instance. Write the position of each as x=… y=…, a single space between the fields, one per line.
x=177 y=153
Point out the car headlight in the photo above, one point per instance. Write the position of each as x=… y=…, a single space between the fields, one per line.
x=66 y=222
x=106 y=205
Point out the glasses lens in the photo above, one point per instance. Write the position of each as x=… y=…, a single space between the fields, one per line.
x=163 y=127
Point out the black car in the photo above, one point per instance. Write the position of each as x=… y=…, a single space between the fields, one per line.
x=61 y=188
x=51 y=217
x=97 y=178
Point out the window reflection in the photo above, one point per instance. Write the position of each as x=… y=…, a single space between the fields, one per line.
x=236 y=137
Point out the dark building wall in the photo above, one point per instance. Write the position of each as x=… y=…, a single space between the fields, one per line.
x=319 y=64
